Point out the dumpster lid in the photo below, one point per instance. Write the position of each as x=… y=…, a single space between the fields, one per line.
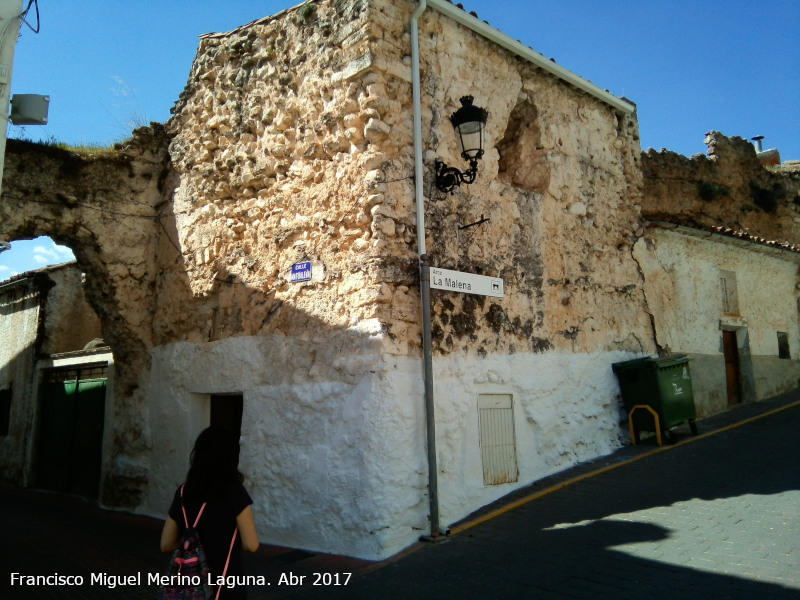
x=629 y=365
x=648 y=362
x=671 y=360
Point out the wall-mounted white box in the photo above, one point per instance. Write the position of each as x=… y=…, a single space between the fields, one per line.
x=29 y=109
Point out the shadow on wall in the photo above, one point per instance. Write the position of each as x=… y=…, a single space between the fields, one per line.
x=115 y=213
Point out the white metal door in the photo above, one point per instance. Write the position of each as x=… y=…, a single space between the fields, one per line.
x=497 y=439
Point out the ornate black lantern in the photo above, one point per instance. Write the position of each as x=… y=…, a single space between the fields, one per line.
x=469 y=122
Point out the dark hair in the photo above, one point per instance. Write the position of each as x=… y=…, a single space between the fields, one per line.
x=214 y=464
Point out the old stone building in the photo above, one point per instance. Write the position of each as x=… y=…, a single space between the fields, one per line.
x=720 y=267
x=283 y=153
x=53 y=372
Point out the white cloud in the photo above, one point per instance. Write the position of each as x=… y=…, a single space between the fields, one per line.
x=123 y=89
x=64 y=251
x=53 y=254
x=7 y=272
x=41 y=250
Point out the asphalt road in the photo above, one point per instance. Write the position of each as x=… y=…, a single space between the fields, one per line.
x=716 y=516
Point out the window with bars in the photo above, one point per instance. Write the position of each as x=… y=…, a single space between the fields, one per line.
x=77 y=374
x=730 y=295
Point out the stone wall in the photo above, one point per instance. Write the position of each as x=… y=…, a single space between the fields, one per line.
x=278 y=149
x=559 y=184
x=287 y=153
x=727 y=188
x=299 y=155
x=69 y=323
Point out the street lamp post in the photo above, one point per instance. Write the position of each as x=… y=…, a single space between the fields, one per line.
x=469 y=122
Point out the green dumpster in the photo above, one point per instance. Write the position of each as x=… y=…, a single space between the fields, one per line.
x=663 y=384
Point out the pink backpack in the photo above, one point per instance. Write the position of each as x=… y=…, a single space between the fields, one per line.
x=188 y=566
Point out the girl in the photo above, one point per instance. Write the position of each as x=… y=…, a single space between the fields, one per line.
x=214 y=478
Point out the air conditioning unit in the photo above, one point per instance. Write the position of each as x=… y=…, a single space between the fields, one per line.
x=29 y=109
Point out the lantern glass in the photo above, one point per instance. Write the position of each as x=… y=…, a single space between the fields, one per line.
x=470 y=122
x=471 y=134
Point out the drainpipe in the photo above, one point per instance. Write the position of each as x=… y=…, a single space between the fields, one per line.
x=424 y=277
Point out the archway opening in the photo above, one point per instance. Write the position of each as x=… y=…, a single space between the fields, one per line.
x=22 y=256
x=54 y=371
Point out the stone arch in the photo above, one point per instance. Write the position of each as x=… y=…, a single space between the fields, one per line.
x=523 y=161
x=105 y=206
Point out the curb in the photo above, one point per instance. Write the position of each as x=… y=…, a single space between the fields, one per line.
x=457 y=529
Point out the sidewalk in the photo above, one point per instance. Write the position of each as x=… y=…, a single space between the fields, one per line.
x=727 y=503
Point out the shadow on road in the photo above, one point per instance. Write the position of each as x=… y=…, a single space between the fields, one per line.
x=638 y=531
x=579 y=543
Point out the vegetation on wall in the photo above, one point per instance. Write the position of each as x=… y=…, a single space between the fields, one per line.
x=767 y=198
x=305 y=12
x=709 y=191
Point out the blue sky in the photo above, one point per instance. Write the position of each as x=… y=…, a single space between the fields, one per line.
x=690 y=66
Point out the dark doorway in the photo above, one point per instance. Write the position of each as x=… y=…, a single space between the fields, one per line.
x=226 y=411
x=5 y=410
x=730 y=349
x=70 y=445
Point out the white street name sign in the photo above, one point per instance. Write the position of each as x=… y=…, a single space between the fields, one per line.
x=466 y=283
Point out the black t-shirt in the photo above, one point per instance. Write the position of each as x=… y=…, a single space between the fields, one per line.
x=216 y=529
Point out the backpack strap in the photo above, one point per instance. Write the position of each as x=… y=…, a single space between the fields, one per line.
x=183 y=508
x=225 y=571
x=196 y=521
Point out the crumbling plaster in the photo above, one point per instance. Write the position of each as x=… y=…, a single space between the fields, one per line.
x=681 y=282
x=106 y=209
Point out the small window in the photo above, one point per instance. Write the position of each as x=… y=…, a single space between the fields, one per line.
x=783 y=345
x=82 y=373
x=730 y=296
x=5 y=411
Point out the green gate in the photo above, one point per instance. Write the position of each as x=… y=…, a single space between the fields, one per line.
x=71 y=433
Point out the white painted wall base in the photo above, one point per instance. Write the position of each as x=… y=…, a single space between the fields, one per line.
x=339 y=464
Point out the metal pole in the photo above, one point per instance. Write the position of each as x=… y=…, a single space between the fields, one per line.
x=417 y=96
x=424 y=278
x=430 y=420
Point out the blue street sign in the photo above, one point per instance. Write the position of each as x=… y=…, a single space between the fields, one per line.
x=301 y=272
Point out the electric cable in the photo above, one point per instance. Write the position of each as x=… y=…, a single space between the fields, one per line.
x=159 y=217
x=25 y=14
